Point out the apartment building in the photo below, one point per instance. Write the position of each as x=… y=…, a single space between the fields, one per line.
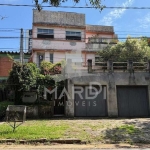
x=65 y=35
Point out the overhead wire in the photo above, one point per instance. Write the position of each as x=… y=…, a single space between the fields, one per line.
x=104 y=7
x=13 y=30
x=53 y=39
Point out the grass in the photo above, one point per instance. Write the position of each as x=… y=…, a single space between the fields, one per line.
x=33 y=130
x=129 y=129
x=85 y=130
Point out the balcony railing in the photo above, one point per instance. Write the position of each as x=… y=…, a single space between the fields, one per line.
x=111 y=66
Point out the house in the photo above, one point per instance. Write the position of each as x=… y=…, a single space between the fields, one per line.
x=109 y=90
x=61 y=35
x=65 y=36
x=6 y=62
x=5 y=66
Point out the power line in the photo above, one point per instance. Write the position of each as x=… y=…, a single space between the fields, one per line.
x=13 y=29
x=16 y=37
x=105 y=7
x=133 y=32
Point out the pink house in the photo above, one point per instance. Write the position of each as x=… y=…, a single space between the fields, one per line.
x=61 y=35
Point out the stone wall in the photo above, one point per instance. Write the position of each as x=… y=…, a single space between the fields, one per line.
x=39 y=111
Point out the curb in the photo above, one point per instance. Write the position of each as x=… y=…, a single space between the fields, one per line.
x=59 y=141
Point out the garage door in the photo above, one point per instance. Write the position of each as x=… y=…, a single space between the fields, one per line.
x=88 y=107
x=133 y=101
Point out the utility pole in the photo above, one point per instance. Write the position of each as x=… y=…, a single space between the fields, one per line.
x=21 y=46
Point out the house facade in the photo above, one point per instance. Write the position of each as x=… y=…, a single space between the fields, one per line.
x=64 y=35
x=124 y=92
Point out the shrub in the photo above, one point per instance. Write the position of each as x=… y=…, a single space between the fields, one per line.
x=3 y=107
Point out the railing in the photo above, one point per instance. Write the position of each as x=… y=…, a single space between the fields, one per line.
x=108 y=66
x=111 y=66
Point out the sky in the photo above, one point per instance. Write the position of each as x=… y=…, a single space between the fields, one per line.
x=126 y=22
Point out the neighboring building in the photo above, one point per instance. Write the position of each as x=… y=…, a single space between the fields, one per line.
x=59 y=35
x=28 y=40
x=6 y=62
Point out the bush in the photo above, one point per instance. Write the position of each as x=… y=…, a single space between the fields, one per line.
x=3 y=107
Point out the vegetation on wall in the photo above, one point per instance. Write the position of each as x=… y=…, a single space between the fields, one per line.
x=47 y=68
x=134 y=49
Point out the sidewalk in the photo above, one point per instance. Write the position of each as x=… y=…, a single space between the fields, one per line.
x=72 y=146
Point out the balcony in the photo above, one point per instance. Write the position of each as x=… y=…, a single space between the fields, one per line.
x=96 y=44
x=58 y=45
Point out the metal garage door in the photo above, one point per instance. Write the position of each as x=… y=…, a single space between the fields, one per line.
x=133 y=101
x=96 y=107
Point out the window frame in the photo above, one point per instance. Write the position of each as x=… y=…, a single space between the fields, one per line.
x=74 y=35
x=51 y=55
x=43 y=34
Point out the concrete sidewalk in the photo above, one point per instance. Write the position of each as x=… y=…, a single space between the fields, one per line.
x=72 y=146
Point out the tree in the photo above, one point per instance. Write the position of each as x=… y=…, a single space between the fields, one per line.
x=135 y=49
x=28 y=76
x=22 y=78
x=94 y=3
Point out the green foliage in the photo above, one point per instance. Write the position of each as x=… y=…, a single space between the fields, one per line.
x=95 y=3
x=23 y=77
x=47 y=68
x=3 y=107
x=28 y=76
x=135 y=49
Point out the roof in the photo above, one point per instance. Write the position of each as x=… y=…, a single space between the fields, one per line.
x=58 y=18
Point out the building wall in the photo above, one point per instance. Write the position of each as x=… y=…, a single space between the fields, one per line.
x=61 y=22
x=5 y=66
x=63 y=55
x=6 y=63
x=59 y=42
x=57 y=45
x=110 y=80
x=28 y=40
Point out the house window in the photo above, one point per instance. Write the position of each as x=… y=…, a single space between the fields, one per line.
x=40 y=59
x=45 y=33
x=51 y=58
x=71 y=35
